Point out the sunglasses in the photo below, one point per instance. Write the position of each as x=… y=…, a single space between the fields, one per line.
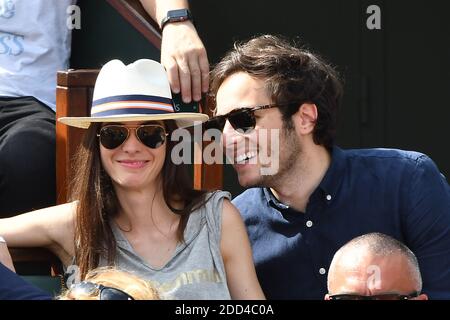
x=86 y=288
x=383 y=296
x=242 y=119
x=150 y=135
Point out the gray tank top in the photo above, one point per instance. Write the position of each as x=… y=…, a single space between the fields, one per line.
x=196 y=269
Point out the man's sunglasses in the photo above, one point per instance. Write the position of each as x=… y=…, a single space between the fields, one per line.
x=150 y=135
x=383 y=296
x=242 y=119
x=90 y=289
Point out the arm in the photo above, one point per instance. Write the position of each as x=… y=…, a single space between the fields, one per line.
x=182 y=52
x=237 y=256
x=427 y=226
x=51 y=228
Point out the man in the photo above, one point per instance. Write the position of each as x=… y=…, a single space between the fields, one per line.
x=312 y=197
x=374 y=266
x=35 y=42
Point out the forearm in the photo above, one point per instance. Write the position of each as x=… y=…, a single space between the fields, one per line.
x=18 y=232
x=41 y=228
x=157 y=9
x=183 y=54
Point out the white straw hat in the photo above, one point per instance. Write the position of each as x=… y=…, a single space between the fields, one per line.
x=139 y=91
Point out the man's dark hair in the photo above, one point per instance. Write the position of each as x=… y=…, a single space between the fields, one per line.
x=293 y=76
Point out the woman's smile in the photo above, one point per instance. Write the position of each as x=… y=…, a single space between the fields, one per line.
x=133 y=164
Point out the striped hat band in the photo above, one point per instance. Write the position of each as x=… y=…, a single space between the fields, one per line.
x=131 y=104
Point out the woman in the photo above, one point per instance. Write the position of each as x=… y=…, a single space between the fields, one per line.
x=133 y=208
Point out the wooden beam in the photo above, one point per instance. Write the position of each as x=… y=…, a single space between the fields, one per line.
x=73 y=99
x=135 y=14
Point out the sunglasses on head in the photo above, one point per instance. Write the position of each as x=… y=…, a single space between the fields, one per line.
x=383 y=296
x=150 y=135
x=86 y=288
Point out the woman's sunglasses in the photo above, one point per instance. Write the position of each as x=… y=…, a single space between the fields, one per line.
x=90 y=289
x=150 y=135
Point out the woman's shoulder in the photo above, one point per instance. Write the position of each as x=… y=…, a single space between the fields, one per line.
x=214 y=198
x=210 y=210
x=215 y=207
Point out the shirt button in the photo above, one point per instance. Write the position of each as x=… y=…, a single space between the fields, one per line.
x=328 y=197
x=309 y=223
x=322 y=271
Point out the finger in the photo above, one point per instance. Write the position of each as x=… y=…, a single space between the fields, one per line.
x=172 y=73
x=204 y=69
x=196 y=81
x=185 y=80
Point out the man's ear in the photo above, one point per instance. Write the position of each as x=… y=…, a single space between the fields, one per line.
x=327 y=297
x=305 y=118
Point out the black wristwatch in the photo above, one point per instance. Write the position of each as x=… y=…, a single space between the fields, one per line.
x=176 y=16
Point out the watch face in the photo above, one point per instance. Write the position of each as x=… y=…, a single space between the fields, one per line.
x=180 y=14
x=176 y=16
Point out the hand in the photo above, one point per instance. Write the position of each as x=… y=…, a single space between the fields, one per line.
x=184 y=57
x=5 y=257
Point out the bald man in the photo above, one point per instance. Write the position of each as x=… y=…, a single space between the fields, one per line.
x=374 y=267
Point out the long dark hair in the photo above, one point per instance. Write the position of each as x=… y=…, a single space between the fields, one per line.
x=98 y=203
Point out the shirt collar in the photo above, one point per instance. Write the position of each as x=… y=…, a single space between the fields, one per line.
x=273 y=201
x=333 y=177
x=329 y=184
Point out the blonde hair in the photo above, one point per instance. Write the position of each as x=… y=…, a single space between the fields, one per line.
x=131 y=284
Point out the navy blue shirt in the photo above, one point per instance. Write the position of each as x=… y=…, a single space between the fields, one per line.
x=395 y=192
x=13 y=287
